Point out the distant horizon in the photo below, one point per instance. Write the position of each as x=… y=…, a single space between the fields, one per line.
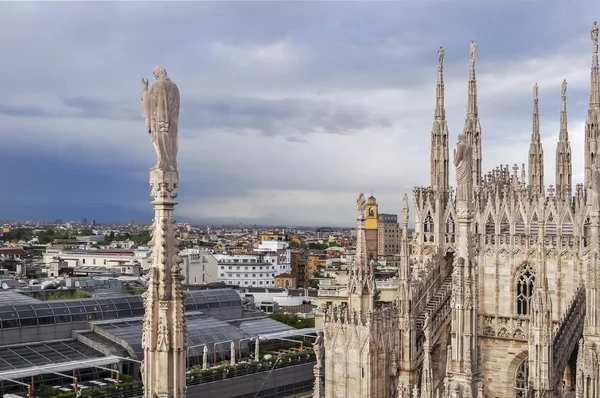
x=193 y=224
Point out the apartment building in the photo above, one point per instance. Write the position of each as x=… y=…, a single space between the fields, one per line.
x=198 y=266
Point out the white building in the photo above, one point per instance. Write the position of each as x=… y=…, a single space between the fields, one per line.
x=246 y=270
x=277 y=253
x=198 y=266
x=98 y=258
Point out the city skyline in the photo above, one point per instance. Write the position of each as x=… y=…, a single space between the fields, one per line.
x=288 y=110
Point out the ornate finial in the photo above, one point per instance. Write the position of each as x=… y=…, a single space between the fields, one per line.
x=535 y=91
x=472 y=51
x=440 y=58
x=594 y=35
x=564 y=88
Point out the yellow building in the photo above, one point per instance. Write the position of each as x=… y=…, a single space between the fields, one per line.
x=371 y=226
x=285 y=281
x=314 y=262
x=280 y=235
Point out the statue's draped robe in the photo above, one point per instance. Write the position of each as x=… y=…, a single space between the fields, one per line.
x=464 y=172
x=161 y=110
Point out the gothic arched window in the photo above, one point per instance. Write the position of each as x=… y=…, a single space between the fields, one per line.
x=521 y=379
x=525 y=285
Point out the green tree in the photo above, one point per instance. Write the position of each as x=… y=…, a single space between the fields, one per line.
x=142 y=238
x=293 y=320
x=17 y=234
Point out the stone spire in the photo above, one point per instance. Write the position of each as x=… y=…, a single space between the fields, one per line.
x=564 y=166
x=472 y=128
x=164 y=332
x=439 y=135
x=592 y=120
x=536 y=153
x=463 y=364
x=361 y=282
x=541 y=327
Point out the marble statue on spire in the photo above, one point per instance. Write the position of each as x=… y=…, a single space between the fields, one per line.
x=535 y=91
x=440 y=57
x=564 y=88
x=463 y=158
x=472 y=51
x=161 y=114
x=361 y=205
x=594 y=33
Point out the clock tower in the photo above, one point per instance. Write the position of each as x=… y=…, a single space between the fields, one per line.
x=371 y=227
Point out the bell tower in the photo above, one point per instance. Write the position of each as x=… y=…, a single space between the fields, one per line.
x=371 y=227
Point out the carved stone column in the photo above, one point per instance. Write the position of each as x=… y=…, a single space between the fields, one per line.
x=164 y=335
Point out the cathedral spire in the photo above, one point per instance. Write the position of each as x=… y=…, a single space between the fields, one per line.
x=439 y=135
x=595 y=73
x=361 y=282
x=592 y=120
x=536 y=153
x=564 y=167
x=472 y=128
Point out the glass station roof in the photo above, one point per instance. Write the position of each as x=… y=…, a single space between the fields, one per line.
x=202 y=331
x=64 y=311
x=32 y=355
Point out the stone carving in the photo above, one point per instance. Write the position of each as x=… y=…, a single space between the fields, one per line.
x=319 y=348
x=563 y=90
x=162 y=337
x=535 y=91
x=161 y=114
x=594 y=35
x=361 y=205
x=440 y=57
x=472 y=51
x=594 y=189
x=463 y=158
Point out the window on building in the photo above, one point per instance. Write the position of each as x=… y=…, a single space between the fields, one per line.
x=521 y=379
x=525 y=286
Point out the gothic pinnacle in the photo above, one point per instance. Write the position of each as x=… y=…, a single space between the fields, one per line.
x=595 y=73
x=472 y=105
x=564 y=134
x=535 y=135
x=440 y=113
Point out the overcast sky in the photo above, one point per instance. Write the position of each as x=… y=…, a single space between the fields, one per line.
x=288 y=109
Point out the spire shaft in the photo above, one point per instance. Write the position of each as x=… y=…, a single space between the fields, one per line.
x=472 y=104
x=439 y=135
x=564 y=167
x=564 y=134
x=536 y=153
x=440 y=112
x=472 y=129
x=595 y=72
x=535 y=134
